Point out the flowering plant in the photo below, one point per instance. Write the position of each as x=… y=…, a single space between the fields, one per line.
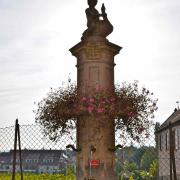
x=130 y=106
x=101 y=102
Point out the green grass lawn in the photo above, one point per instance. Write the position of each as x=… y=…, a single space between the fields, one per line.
x=8 y=176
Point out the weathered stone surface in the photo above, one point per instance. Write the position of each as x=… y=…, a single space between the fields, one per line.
x=99 y=133
x=95 y=63
x=95 y=66
x=96 y=26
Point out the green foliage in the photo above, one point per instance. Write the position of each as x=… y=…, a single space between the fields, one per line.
x=70 y=170
x=152 y=171
x=8 y=176
x=131 y=178
x=128 y=170
x=148 y=158
x=153 y=168
x=136 y=162
x=138 y=155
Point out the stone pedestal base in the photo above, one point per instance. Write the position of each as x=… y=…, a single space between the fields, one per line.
x=96 y=132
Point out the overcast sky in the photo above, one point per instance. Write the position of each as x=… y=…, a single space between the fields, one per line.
x=36 y=35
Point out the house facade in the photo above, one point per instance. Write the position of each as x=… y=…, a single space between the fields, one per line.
x=38 y=161
x=168 y=137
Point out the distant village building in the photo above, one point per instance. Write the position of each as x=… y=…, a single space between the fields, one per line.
x=38 y=161
x=167 y=142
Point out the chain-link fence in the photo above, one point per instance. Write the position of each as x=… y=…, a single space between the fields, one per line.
x=169 y=151
x=153 y=157
x=32 y=137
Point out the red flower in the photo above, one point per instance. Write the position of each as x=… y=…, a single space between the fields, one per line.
x=131 y=114
x=83 y=99
x=112 y=99
x=141 y=130
x=80 y=108
x=89 y=109
x=91 y=100
x=100 y=110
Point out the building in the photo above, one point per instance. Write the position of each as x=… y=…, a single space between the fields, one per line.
x=169 y=146
x=38 y=161
x=5 y=162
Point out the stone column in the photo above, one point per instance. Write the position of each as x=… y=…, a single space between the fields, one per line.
x=95 y=134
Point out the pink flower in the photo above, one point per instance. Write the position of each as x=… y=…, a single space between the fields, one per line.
x=112 y=99
x=131 y=114
x=89 y=109
x=141 y=130
x=91 y=100
x=83 y=99
x=100 y=110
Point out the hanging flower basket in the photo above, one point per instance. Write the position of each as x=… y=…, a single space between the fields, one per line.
x=130 y=106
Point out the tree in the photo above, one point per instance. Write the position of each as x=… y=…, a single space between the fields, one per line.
x=136 y=162
x=138 y=155
x=148 y=157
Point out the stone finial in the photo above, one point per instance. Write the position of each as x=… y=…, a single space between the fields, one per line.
x=96 y=26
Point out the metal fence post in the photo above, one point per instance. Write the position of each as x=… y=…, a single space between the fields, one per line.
x=17 y=135
x=14 y=152
x=20 y=157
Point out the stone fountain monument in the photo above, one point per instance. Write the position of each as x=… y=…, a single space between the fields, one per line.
x=95 y=66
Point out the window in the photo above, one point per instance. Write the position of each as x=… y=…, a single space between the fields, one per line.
x=164 y=141
x=29 y=161
x=177 y=138
x=35 y=160
x=48 y=160
x=160 y=142
x=167 y=140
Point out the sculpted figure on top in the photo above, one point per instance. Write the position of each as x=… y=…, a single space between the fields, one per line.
x=96 y=26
